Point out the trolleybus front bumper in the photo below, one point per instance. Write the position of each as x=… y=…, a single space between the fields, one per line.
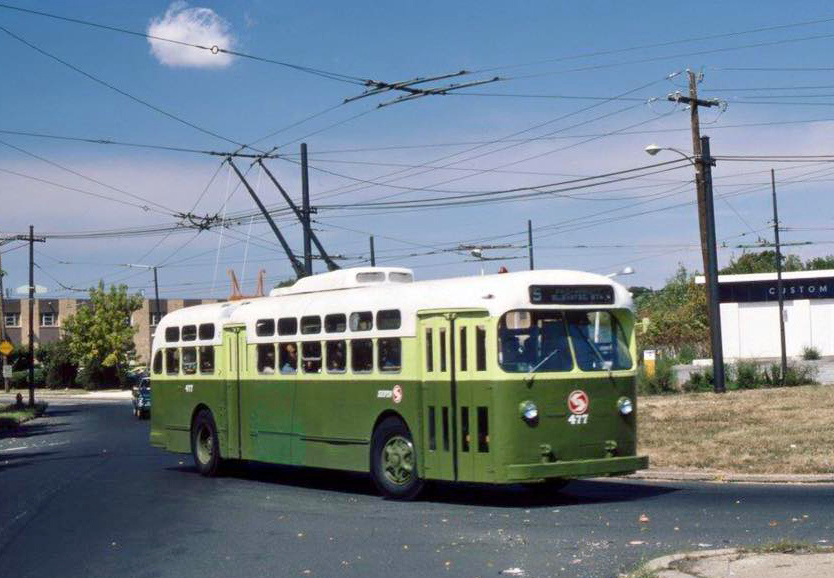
x=576 y=468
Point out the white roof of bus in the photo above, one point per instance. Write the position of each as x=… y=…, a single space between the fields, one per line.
x=338 y=292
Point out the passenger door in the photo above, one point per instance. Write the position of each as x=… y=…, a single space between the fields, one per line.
x=232 y=337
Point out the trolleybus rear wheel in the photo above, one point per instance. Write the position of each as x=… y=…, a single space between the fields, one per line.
x=394 y=461
x=204 y=444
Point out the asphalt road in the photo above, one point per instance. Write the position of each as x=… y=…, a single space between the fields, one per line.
x=83 y=494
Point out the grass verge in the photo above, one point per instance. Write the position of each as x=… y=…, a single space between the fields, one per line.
x=769 y=431
x=11 y=417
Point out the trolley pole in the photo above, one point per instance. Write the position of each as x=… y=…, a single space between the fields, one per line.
x=305 y=212
x=779 y=278
x=530 y=242
x=373 y=253
x=706 y=161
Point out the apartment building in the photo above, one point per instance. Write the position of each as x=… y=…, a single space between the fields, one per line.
x=50 y=315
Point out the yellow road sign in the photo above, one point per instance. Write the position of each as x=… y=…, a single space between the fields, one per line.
x=6 y=347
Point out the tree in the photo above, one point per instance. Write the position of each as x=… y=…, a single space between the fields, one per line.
x=59 y=363
x=761 y=262
x=677 y=314
x=818 y=263
x=100 y=336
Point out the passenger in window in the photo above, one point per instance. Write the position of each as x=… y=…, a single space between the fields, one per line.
x=389 y=354
x=289 y=358
x=266 y=359
x=336 y=356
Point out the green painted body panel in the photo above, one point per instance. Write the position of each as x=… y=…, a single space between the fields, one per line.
x=326 y=420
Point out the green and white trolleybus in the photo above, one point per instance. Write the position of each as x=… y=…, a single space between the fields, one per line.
x=523 y=377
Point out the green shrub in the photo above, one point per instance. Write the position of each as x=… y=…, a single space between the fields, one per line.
x=61 y=368
x=663 y=380
x=20 y=379
x=97 y=376
x=810 y=353
x=801 y=375
x=748 y=375
x=687 y=353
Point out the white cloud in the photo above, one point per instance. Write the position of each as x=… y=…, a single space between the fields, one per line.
x=201 y=26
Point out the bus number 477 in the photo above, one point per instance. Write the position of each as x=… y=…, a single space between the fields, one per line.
x=578 y=419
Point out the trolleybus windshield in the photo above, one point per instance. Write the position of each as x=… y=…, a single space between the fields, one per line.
x=540 y=341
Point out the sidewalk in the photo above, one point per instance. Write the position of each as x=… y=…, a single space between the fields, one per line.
x=741 y=564
x=74 y=394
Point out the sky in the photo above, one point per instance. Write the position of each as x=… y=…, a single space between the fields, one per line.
x=581 y=90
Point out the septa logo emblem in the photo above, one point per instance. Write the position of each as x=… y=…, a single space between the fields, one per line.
x=578 y=402
x=397 y=394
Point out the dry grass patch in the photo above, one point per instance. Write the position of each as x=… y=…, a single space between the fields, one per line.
x=767 y=431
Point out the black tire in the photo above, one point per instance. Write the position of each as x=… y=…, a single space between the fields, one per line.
x=394 y=461
x=205 y=447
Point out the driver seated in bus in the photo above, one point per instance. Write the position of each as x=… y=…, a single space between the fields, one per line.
x=511 y=351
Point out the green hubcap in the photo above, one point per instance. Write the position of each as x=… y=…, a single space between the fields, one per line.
x=398 y=460
x=205 y=444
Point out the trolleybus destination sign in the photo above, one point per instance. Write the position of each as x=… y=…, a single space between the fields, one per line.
x=572 y=294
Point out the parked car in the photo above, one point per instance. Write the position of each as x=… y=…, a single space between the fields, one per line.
x=142 y=398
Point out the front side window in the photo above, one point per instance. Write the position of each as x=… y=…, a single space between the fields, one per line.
x=311 y=356
x=207 y=331
x=390 y=354
x=157 y=363
x=172 y=334
x=264 y=327
x=598 y=341
x=266 y=358
x=207 y=359
x=189 y=360
x=172 y=361
x=533 y=341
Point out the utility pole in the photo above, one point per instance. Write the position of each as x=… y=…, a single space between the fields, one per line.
x=779 y=278
x=305 y=212
x=706 y=220
x=31 y=316
x=711 y=273
x=6 y=386
x=530 y=242
x=373 y=254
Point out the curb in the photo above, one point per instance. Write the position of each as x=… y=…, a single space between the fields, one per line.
x=665 y=562
x=727 y=477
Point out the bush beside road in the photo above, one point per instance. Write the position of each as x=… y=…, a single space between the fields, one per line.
x=11 y=416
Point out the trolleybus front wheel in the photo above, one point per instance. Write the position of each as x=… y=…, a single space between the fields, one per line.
x=204 y=444
x=394 y=461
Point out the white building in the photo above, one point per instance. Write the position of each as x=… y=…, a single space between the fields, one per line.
x=750 y=313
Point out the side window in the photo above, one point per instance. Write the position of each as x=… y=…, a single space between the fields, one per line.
x=362 y=321
x=266 y=358
x=362 y=355
x=442 y=336
x=207 y=358
x=288 y=356
x=288 y=326
x=264 y=327
x=157 y=362
x=189 y=360
x=390 y=354
x=189 y=332
x=172 y=360
x=310 y=325
x=311 y=356
x=429 y=350
x=207 y=331
x=335 y=323
x=172 y=334
x=480 y=348
x=336 y=356
x=388 y=319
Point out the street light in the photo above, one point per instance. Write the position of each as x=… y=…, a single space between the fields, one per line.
x=703 y=165
x=624 y=271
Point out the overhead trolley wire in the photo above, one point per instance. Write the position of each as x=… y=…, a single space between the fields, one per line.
x=214 y=49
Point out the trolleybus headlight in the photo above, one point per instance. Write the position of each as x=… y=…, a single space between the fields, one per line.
x=625 y=405
x=529 y=411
